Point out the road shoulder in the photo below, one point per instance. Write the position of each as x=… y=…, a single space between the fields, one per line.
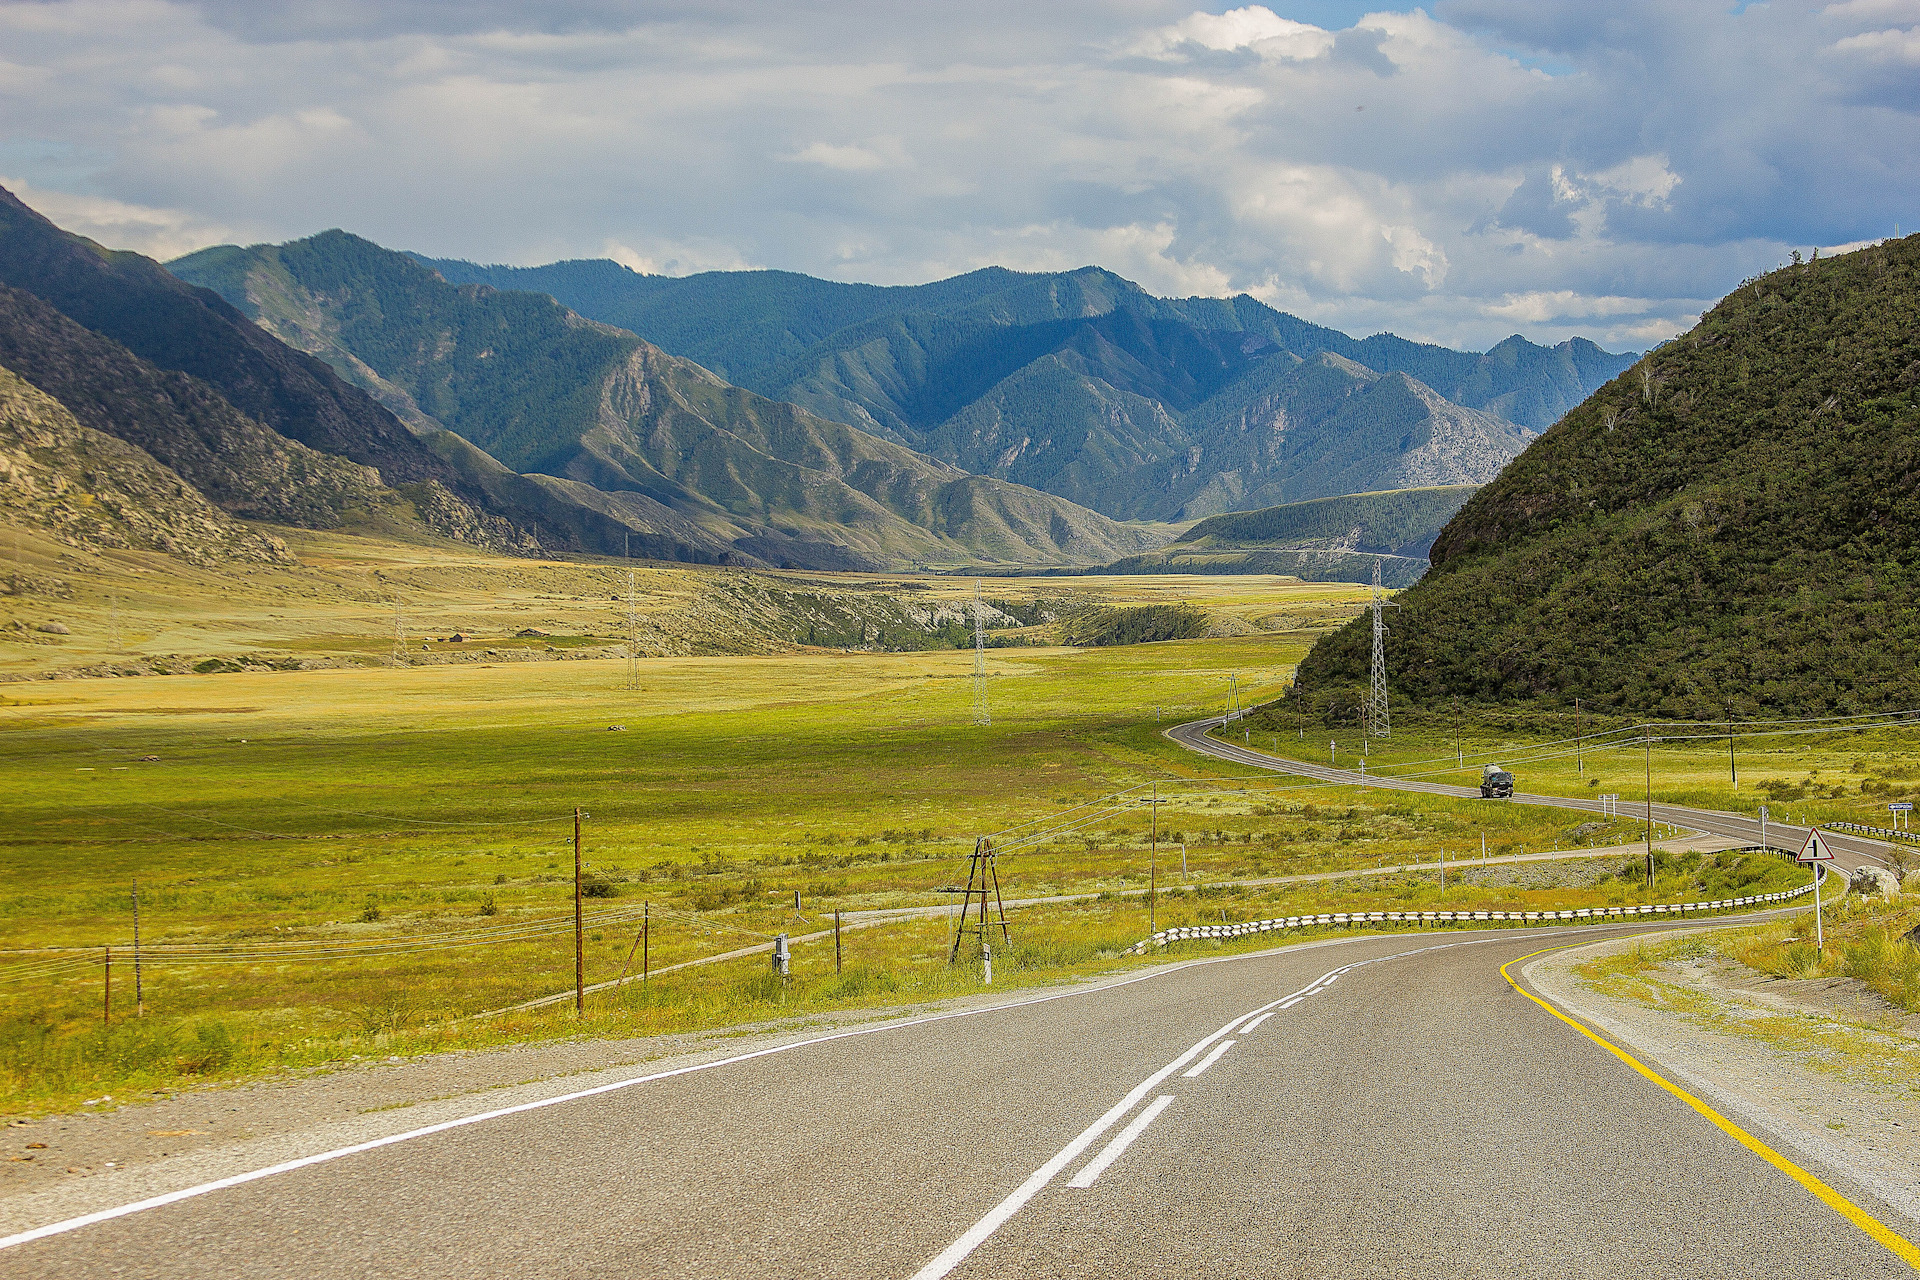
x=1830 y=1080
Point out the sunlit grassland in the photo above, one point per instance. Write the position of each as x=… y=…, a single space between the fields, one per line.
x=371 y=805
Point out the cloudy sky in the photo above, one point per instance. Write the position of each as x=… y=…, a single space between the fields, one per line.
x=1456 y=173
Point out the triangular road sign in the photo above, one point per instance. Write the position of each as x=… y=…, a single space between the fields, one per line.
x=1814 y=850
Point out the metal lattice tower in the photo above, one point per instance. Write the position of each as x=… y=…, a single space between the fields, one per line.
x=1379 y=720
x=399 y=637
x=633 y=638
x=981 y=715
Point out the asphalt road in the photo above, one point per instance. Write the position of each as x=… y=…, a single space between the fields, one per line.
x=1414 y=1116
x=1849 y=851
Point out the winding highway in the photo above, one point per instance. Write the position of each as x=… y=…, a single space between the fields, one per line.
x=1376 y=1106
x=1850 y=852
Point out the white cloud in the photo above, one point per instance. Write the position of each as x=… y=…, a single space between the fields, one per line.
x=847 y=159
x=1541 y=163
x=1254 y=27
x=158 y=233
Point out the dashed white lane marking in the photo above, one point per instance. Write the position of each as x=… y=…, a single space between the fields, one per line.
x=1200 y=1068
x=980 y=1232
x=1124 y=1139
x=1257 y=1021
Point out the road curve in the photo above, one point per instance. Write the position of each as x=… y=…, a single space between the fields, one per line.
x=1849 y=852
x=1364 y=1107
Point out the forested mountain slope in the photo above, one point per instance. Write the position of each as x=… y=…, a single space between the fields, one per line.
x=1083 y=384
x=1399 y=522
x=612 y=420
x=1736 y=520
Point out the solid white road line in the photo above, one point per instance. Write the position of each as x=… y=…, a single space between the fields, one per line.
x=1124 y=1139
x=338 y=1153
x=1257 y=1021
x=1200 y=1068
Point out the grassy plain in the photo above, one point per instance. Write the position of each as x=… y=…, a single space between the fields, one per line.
x=318 y=851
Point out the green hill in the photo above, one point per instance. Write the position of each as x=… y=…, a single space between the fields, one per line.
x=602 y=420
x=1398 y=522
x=1084 y=385
x=1731 y=521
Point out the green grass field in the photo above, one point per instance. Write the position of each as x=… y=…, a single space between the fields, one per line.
x=333 y=842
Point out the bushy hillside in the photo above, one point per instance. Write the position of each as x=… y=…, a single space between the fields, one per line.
x=1402 y=522
x=1734 y=520
x=91 y=489
x=241 y=465
x=608 y=422
x=1082 y=384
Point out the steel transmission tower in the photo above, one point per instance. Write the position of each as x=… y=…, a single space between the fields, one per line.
x=1379 y=720
x=399 y=637
x=633 y=639
x=980 y=713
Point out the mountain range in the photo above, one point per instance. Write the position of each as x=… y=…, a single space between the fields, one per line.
x=615 y=447
x=1084 y=385
x=1730 y=526
x=995 y=418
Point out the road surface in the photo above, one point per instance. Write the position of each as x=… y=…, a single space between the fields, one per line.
x=1403 y=1111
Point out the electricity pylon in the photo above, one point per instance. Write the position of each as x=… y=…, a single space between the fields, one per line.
x=633 y=639
x=1379 y=718
x=399 y=637
x=980 y=713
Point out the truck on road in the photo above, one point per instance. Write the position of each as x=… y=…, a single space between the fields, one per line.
x=1495 y=783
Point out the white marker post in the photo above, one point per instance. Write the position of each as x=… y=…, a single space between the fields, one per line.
x=1763 y=826
x=1815 y=852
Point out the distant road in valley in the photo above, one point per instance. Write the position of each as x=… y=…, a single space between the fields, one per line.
x=1849 y=852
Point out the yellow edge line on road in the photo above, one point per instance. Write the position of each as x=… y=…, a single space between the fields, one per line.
x=1897 y=1245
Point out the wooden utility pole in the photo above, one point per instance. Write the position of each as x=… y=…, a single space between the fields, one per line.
x=1579 y=738
x=1648 y=735
x=579 y=932
x=1732 y=771
x=106 y=994
x=139 y=995
x=646 y=942
x=983 y=878
x=836 y=939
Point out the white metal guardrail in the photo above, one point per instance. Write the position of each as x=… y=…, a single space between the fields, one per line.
x=1353 y=919
x=1877 y=833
